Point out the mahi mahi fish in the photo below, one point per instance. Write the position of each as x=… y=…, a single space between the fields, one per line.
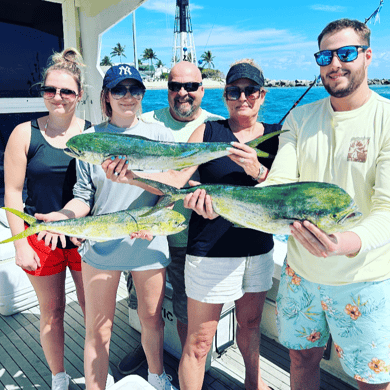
x=274 y=208
x=106 y=227
x=143 y=153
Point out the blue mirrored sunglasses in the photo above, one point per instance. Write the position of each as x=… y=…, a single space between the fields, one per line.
x=345 y=54
x=120 y=91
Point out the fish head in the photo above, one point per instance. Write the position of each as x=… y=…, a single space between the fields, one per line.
x=84 y=148
x=328 y=206
x=174 y=222
x=163 y=222
x=340 y=220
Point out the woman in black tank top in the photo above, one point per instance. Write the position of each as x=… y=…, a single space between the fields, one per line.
x=215 y=244
x=35 y=152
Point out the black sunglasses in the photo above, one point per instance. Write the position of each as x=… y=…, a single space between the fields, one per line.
x=252 y=92
x=345 y=54
x=49 y=93
x=120 y=91
x=189 y=87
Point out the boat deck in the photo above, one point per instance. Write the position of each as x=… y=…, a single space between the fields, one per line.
x=23 y=365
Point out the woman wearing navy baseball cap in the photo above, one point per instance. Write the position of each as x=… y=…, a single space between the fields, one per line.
x=103 y=262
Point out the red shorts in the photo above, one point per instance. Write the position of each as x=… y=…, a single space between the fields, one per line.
x=53 y=262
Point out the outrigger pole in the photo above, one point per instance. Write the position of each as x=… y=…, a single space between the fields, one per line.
x=317 y=79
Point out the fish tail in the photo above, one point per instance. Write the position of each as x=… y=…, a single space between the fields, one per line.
x=168 y=191
x=28 y=232
x=261 y=139
x=27 y=218
x=164 y=188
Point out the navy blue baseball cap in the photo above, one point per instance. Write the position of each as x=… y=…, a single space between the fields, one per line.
x=118 y=73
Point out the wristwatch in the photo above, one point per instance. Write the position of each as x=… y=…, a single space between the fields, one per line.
x=261 y=172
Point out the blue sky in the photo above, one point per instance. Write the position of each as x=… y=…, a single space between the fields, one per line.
x=280 y=35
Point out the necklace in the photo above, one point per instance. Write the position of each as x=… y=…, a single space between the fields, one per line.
x=64 y=132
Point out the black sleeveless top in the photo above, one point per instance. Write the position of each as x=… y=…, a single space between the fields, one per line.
x=218 y=237
x=50 y=174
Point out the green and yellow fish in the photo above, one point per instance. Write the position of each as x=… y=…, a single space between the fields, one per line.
x=274 y=208
x=106 y=227
x=143 y=153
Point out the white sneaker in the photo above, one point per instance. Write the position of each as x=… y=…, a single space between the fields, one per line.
x=162 y=382
x=60 y=381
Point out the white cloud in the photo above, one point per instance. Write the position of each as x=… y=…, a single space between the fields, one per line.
x=229 y=36
x=166 y=6
x=328 y=8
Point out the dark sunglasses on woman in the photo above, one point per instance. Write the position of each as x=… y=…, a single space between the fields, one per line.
x=345 y=54
x=49 y=93
x=120 y=91
x=189 y=87
x=252 y=92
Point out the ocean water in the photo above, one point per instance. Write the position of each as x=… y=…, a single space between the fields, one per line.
x=277 y=101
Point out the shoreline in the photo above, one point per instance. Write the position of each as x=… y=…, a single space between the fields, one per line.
x=214 y=84
x=207 y=84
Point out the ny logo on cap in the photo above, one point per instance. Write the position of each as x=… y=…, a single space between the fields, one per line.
x=125 y=70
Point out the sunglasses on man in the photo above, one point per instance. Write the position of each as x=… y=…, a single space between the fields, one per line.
x=120 y=91
x=252 y=92
x=50 y=92
x=345 y=54
x=189 y=87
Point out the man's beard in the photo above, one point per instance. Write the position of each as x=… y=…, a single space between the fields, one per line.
x=185 y=113
x=354 y=83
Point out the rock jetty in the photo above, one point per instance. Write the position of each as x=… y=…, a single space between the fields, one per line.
x=305 y=83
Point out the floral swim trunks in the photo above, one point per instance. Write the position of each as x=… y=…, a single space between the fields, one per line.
x=357 y=315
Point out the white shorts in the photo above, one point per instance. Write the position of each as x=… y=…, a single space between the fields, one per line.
x=226 y=279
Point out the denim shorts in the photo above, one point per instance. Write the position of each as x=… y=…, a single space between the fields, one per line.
x=357 y=315
x=227 y=279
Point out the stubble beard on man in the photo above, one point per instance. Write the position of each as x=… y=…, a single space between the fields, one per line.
x=185 y=113
x=354 y=83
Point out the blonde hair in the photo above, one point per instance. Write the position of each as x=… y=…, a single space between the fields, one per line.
x=69 y=61
x=249 y=61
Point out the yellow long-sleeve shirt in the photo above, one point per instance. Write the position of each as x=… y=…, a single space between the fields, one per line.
x=350 y=149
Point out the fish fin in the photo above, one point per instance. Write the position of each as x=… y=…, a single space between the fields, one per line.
x=28 y=218
x=262 y=138
x=164 y=201
x=236 y=225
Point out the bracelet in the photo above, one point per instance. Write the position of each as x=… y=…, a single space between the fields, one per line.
x=261 y=172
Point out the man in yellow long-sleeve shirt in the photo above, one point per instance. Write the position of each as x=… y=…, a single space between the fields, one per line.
x=339 y=284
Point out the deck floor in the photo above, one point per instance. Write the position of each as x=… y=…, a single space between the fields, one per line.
x=22 y=362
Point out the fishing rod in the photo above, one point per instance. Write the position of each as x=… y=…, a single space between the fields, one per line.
x=317 y=79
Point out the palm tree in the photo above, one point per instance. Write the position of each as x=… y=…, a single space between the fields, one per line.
x=106 y=61
x=159 y=63
x=118 y=51
x=149 y=54
x=208 y=57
